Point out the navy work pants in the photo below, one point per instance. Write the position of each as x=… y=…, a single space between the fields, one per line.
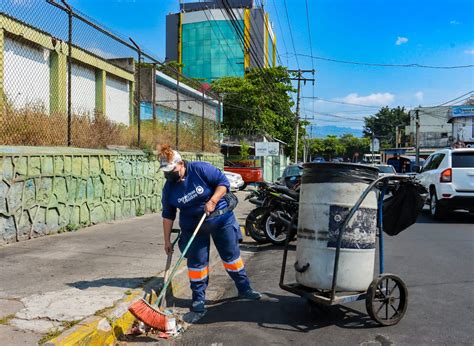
x=224 y=231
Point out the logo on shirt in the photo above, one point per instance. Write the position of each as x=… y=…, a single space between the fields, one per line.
x=199 y=190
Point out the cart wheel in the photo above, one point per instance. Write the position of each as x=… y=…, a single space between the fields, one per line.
x=386 y=300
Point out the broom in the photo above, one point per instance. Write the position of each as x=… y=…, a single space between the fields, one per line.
x=151 y=314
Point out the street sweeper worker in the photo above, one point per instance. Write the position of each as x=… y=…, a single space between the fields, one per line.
x=196 y=188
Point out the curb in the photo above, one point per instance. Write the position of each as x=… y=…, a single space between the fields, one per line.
x=106 y=328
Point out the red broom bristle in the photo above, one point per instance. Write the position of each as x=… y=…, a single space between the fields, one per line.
x=149 y=315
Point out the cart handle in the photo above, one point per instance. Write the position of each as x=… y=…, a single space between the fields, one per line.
x=348 y=218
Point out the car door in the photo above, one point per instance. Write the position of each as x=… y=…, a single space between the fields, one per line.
x=423 y=177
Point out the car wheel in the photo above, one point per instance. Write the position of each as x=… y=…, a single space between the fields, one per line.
x=242 y=188
x=436 y=210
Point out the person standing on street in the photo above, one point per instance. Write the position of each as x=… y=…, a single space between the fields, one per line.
x=195 y=188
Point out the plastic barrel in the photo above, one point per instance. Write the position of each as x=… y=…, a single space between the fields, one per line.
x=328 y=192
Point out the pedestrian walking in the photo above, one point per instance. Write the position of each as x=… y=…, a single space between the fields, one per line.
x=195 y=188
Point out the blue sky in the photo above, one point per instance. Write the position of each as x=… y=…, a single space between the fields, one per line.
x=435 y=32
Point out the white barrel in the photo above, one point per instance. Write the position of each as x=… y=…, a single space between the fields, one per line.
x=328 y=192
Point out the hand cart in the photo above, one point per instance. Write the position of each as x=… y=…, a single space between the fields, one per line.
x=386 y=298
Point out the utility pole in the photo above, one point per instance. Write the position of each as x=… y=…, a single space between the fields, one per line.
x=372 y=148
x=299 y=77
x=417 y=136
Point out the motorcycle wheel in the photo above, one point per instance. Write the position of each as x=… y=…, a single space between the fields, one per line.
x=275 y=231
x=255 y=223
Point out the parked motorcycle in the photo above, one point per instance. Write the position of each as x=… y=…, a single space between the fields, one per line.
x=255 y=219
x=281 y=206
x=276 y=206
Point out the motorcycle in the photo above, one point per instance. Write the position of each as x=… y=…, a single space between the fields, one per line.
x=255 y=219
x=281 y=206
x=276 y=205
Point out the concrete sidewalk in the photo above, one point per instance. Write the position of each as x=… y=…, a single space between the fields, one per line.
x=51 y=283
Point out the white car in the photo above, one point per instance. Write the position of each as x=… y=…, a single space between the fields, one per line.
x=235 y=180
x=448 y=175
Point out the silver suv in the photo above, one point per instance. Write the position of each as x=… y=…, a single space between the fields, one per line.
x=448 y=175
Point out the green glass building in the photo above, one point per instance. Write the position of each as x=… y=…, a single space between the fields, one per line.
x=213 y=40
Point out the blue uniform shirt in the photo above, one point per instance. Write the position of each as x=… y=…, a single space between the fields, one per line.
x=190 y=195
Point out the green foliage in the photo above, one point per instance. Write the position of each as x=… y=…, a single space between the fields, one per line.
x=72 y=227
x=383 y=125
x=345 y=146
x=6 y=319
x=259 y=103
x=70 y=324
x=48 y=336
x=244 y=150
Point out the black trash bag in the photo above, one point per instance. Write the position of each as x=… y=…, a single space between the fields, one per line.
x=401 y=209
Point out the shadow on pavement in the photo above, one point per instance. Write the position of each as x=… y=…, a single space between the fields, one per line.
x=112 y=282
x=254 y=247
x=456 y=217
x=282 y=313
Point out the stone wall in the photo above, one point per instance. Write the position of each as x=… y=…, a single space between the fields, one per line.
x=51 y=190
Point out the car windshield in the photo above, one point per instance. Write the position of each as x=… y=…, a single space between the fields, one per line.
x=463 y=160
x=386 y=169
x=294 y=171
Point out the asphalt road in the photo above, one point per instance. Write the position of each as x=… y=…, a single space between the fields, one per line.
x=434 y=259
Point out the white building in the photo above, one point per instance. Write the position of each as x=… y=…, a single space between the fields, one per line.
x=462 y=120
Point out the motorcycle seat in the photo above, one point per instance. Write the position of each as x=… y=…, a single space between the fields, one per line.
x=283 y=189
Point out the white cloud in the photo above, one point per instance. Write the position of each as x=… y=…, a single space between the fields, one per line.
x=469 y=51
x=419 y=96
x=376 y=99
x=401 y=40
x=454 y=22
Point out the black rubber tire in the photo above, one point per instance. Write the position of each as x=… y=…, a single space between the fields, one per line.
x=243 y=187
x=437 y=212
x=377 y=294
x=254 y=225
x=271 y=238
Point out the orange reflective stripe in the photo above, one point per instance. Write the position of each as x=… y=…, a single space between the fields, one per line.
x=198 y=274
x=235 y=265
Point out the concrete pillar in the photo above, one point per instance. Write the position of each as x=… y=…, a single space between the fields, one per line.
x=58 y=82
x=2 y=49
x=131 y=89
x=100 y=87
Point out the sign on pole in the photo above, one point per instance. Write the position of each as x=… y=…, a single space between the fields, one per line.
x=267 y=148
x=375 y=144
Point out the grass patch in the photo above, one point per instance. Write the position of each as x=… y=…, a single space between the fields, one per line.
x=102 y=312
x=48 y=336
x=72 y=227
x=33 y=125
x=70 y=324
x=6 y=319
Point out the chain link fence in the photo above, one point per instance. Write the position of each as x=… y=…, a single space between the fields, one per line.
x=66 y=80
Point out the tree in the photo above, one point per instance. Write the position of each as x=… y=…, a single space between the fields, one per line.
x=383 y=125
x=333 y=147
x=354 y=145
x=259 y=103
x=346 y=146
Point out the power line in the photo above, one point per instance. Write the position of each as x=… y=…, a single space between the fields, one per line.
x=383 y=65
x=281 y=30
x=469 y=92
x=268 y=30
x=341 y=102
x=309 y=34
x=291 y=34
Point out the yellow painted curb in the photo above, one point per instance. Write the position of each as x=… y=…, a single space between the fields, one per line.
x=107 y=328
